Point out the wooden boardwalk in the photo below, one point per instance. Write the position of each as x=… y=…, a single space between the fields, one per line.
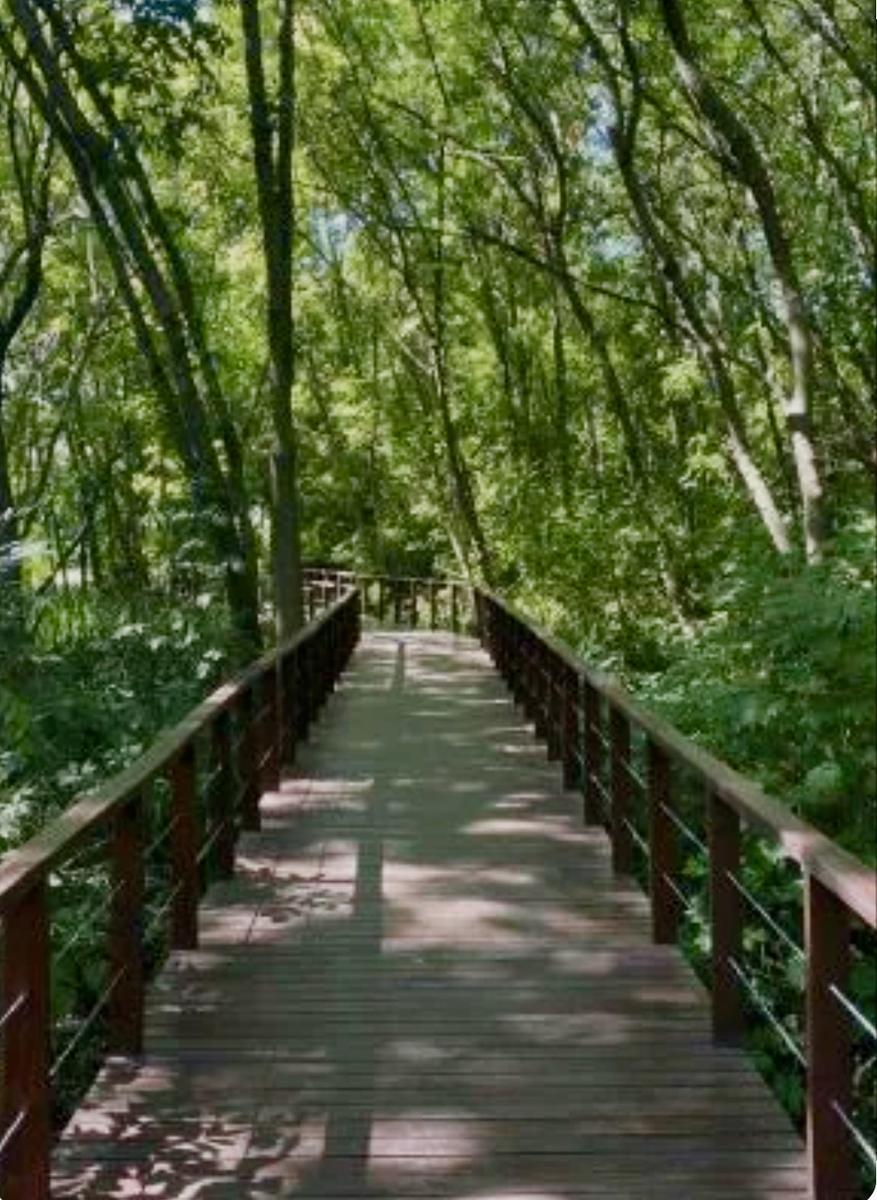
x=424 y=981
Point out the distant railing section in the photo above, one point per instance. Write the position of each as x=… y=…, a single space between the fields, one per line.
x=666 y=803
x=399 y=601
x=149 y=840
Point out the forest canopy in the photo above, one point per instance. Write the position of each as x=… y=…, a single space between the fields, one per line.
x=574 y=297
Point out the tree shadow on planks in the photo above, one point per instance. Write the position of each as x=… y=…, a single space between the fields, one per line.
x=427 y=983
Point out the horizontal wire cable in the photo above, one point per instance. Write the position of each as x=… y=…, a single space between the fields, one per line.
x=767 y=1012
x=633 y=774
x=686 y=902
x=163 y=908
x=86 y=923
x=19 y=1001
x=637 y=837
x=765 y=916
x=685 y=829
x=859 y=1137
x=855 y=1013
x=162 y=835
x=210 y=842
x=12 y=1129
x=96 y=1010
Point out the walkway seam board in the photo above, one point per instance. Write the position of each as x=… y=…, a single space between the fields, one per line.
x=424 y=981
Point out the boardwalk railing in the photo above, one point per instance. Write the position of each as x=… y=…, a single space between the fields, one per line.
x=154 y=835
x=630 y=765
x=153 y=860
x=401 y=601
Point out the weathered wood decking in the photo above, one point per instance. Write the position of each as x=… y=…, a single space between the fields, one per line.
x=425 y=982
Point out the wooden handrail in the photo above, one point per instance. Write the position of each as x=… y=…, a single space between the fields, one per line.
x=841 y=872
x=411 y=599
x=586 y=718
x=271 y=704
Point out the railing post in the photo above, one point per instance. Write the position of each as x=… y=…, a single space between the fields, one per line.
x=184 y=851
x=24 y=1168
x=126 y=930
x=397 y=603
x=288 y=701
x=222 y=797
x=593 y=809
x=829 y=1051
x=433 y=620
x=572 y=773
x=269 y=731
x=542 y=689
x=455 y=616
x=513 y=635
x=412 y=588
x=619 y=742
x=726 y=919
x=248 y=771
x=554 y=706
x=662 y=847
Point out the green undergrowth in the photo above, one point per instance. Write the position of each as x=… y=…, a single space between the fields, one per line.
x=85 y=685
x=778 y=677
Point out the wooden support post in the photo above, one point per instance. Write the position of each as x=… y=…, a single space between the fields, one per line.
x=726 y=919
x=542 y=688
x=184 y=850
x=517 y=675
x=593 y=810
x=247 y=764
x=662 y=846
x=382 y=599
x=127 y=880
x=288 y=704
x=397 y=603
x=526 y=658
x=269 y=732
x=222 y=795
x=554 y=696
x=455 y=615
x=304 y=701
x=829 y=1045
x=572 y=772
x=433 y=618
x=24 y=1166
x=412 y=588
x=622 y=842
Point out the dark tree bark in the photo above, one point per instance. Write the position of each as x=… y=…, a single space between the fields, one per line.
x=273 y=139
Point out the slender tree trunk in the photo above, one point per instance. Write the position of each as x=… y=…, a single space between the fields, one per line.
x=10 y=561
x=738 y=151
x=273 y=139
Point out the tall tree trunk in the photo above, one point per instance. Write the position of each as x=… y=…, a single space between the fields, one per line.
x=10 y=560
x=273 y=140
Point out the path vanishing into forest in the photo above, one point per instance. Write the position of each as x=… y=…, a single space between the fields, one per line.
x=423 y=980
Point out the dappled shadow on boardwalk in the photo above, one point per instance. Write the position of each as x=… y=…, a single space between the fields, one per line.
x=425 y=982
